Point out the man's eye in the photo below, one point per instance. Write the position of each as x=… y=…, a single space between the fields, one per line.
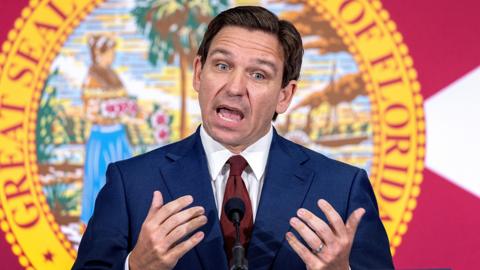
x=258 y=76
x=222 y=66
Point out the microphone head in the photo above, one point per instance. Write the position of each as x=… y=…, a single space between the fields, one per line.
x=235 y=209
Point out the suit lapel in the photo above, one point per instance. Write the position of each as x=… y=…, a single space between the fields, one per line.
x=285 y=185
x=188 y=174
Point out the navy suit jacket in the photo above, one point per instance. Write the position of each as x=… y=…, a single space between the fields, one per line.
x=295 y=177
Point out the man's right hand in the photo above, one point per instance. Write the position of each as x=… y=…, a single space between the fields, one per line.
x=161 y=241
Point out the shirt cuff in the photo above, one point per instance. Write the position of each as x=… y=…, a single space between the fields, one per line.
x=127 y=267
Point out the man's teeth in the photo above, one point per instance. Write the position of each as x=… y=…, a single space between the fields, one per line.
x=230 y=115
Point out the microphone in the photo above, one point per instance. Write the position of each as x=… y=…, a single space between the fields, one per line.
x=235 y=210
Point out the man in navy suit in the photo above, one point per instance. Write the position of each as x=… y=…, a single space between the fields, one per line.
x=309 y=212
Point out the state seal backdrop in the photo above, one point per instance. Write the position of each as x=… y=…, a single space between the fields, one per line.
x=85 y=83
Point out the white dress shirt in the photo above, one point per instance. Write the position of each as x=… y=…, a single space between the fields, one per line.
x=253 y=175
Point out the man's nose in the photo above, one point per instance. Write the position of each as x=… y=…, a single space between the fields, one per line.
x=237 y=85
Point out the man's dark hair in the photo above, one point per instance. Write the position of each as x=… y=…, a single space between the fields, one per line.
x=259 y=18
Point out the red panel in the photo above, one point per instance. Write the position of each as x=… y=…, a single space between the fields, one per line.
x=11 y=10
x=443 y=37
x=7 y=258
x=444 y=229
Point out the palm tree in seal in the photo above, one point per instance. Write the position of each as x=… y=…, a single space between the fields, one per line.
x=175 y=29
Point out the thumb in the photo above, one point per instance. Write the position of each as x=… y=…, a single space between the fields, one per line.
x=353 y=221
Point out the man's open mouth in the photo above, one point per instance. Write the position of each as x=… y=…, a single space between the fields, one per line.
x=230 y=114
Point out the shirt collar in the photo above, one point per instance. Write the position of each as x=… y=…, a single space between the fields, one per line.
x=217 y=155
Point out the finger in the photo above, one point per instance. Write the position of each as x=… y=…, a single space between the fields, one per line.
x=335 y=220
x=171 y=208
x=318 y=225
x=183 y=230
x=157 y=202
x=179 y=250
x=353 y=221
x=312 y=239
x=180 y=218
x=310 y=260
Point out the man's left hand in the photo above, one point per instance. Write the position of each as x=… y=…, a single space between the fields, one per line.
x=329 y=244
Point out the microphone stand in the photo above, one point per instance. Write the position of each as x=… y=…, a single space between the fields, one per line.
x=239 y=262
x=235 y=209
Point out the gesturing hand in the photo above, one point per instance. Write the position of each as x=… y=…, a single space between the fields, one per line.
x=330 y=244
x=160 y=244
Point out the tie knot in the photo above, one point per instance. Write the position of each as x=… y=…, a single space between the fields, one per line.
x=237 y=165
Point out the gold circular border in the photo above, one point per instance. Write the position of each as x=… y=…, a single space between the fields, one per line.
x=7 y=44
x=31 y=116
x=397 y=39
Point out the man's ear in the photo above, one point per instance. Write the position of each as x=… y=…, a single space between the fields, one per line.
x=197 y=72
x=285 y=96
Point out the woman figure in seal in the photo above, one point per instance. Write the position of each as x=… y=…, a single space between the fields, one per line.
x=105 y=104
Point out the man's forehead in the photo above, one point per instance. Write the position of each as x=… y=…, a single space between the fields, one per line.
x=231 y=39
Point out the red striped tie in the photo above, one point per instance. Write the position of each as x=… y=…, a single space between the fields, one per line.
x=236 y=188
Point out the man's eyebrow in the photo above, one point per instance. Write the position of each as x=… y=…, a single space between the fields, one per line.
x=264 y=62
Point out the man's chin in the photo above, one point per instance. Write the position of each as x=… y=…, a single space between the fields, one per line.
x=229 y=138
